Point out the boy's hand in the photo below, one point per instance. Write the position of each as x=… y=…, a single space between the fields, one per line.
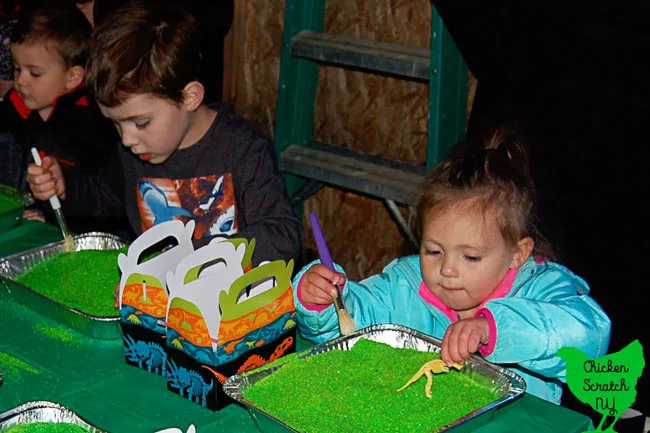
x=47 y=180
x=464 y=338
x=317 y=285
x=33 y=215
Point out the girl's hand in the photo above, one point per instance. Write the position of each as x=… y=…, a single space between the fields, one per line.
x=464 y=338
x=317 y=285
x=47 y=180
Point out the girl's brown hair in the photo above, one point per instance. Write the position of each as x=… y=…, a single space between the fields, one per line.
x=143 y=47
x=493 y=176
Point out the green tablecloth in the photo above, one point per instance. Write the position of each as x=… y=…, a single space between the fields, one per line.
x=28 y=234
x=43 y=360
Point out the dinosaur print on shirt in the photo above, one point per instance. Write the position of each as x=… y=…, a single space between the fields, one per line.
x=209 y=201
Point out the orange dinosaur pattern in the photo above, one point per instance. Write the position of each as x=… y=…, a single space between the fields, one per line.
x=133 y=296
x=238 y=328
x=220 y=377
x=191 y=326
x=232 y=345
x=255 y=360
x=281 y=349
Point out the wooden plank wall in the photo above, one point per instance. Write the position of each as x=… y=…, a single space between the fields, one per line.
x=374 y=114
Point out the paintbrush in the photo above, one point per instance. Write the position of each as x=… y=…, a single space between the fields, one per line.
x=346 y=324
x=68 y=240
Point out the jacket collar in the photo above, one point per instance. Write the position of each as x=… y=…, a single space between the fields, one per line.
x=514 y=278
x=19 y=105
x=77 y=96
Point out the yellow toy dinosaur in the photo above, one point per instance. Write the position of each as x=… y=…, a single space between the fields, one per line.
x=436 y=366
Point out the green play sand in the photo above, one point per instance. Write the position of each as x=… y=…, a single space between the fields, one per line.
x=45 y=427
x=84 y=280
x=57 y=333
x=356 y=391
x=9 y=203
x=11 y=366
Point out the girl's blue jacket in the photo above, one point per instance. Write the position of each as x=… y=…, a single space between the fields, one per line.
x=545 y=306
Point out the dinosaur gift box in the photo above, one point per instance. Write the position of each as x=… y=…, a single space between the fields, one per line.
x=143 y=295
x=225 y=317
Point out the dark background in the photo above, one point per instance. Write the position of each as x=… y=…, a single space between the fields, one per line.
x=569 y=76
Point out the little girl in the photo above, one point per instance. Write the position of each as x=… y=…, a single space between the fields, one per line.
x=483 y=281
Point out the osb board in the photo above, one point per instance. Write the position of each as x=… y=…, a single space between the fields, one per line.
x=369 y=113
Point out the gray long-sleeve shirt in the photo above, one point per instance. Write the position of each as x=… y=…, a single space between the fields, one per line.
x=227 y=182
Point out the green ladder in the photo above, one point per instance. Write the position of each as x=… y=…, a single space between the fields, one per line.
x=308 y=165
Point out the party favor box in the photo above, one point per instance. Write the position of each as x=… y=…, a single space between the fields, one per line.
x=222 y=321
x=143 y=294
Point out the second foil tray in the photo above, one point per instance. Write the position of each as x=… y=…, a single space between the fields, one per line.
x=106 y=328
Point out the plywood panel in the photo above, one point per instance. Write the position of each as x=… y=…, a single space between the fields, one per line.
x=370 y=113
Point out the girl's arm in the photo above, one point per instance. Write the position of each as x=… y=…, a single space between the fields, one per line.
x=550 y=313
x=369 y=302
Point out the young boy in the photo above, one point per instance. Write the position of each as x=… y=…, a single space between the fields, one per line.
x=180 y=159
x=48 y=108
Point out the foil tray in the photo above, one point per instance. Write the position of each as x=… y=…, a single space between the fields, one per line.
x=43 y=411
x=505 y=383
x=105 y=328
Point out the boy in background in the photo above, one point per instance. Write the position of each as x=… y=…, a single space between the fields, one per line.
x=48 y=107
x=180 y=159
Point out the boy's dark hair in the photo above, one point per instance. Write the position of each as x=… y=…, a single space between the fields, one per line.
x=60 y=27
x=143 y=48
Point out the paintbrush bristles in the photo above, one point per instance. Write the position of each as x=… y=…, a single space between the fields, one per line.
x=346 y=324
x=68 y=243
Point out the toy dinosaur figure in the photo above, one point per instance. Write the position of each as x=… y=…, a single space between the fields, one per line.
x=436 y=366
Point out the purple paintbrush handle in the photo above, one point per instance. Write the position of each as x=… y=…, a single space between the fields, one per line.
x=323 y=251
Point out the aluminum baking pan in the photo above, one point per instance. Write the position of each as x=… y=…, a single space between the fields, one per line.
x=43 y=411
x=106 y=328
x=505 y=383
